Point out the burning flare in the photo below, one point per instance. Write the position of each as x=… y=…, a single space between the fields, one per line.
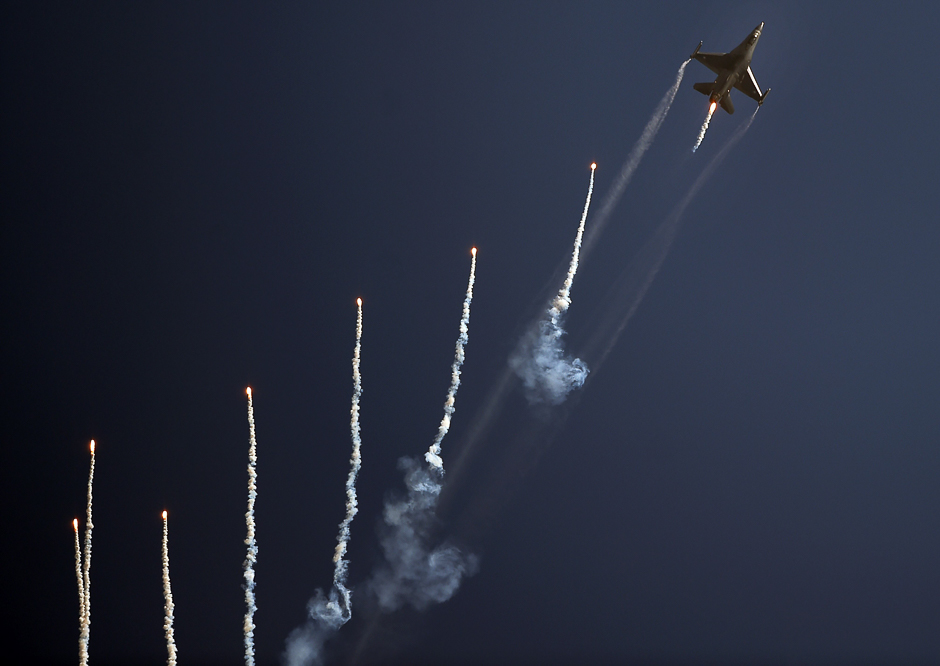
x=701 y=134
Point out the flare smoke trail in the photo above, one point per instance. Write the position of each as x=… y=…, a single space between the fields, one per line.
x=433 y=456
x=168 y=600
x=633 y=161
x=638 y=278
x=539 y=361
x=86 y=572
x=327 y=615
x=416 y=573
x=708 y=118
x=252 y=557
x=339 y=574
x=82 y=654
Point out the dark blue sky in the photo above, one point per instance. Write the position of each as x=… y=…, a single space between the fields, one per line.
x=194 y=196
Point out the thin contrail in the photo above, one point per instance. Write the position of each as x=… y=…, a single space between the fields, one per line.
x=82 y=653
x=641 y=274
x=708 y=119
x=252 y=557
x=355 y=462
x=539 y=360
x=433 y=456
x=168 y=600
x=86 y=572
x=632 y=162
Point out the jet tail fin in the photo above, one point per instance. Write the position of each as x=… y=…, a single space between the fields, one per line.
x=705 y=88
x=726 y=103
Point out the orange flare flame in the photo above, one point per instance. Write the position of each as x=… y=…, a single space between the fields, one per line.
x=712 y=108
x=92 y=446
x=473 y=251
x=248 y=391
x=75 y=524
x=359 y=302
x=164 y=515
x=593 y=166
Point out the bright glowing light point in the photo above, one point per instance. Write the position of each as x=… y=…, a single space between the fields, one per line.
x=593 y=166
x=75 y=524
x=164 y=515
x=92 y=446
x=473 y=251
x=359 y=302
x=712 y=108
x=248 y=391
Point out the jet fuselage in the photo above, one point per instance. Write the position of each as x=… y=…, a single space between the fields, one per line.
x=733 y=70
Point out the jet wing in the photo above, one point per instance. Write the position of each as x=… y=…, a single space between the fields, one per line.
x=748 y=85
x=717 y=62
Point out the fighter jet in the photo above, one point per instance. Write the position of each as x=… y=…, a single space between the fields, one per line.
x=733 y=70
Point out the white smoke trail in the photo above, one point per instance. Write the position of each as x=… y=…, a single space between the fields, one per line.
x=632 y=162
x=168 y=599
x=252 y=557
x=82 y=653
x=433 y=456
x=328 y=614
x=86 y=571
x=708 y=119
x=355 y=462
x=415 y=572
x=540 y=362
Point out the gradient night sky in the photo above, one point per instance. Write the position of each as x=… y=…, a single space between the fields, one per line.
x=195 y=195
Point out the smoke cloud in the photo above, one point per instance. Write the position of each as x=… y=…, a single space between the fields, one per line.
x=415 y=573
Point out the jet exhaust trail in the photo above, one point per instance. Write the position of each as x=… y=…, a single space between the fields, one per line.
x=82 y=654
x=168 y=599
x=708 y=119
x=632 y=162
x=416 y=573
x=433 y=456
x=328 y=614
x=252 y=557
x=636 y=281
x=539 y=360
x=86 y=571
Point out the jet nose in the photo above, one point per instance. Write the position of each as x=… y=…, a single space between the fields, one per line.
x=760 y=27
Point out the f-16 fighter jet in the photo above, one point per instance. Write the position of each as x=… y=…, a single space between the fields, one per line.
x=733 y=70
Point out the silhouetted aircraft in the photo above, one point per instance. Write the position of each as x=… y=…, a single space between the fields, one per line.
x=733 y=70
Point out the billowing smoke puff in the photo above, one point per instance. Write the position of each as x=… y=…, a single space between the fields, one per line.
x=305 y=643
x=547 y=374
x=415 y=573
